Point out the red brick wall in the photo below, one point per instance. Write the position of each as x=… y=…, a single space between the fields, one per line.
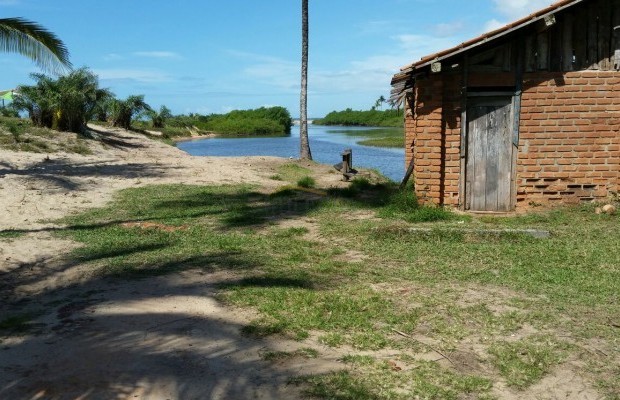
x=433 y=138
x=569 y=148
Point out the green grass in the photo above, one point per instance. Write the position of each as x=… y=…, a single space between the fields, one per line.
x=17 y=324
x=19 y=135
x=398 y=142
x=525 y=362
x=383 y=380
x=274 y=356
x=348 y=117
x=292 y=172
x=306 y=182
x=444 y=290
x=10 y=234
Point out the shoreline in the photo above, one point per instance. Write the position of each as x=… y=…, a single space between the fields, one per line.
x=181 y=139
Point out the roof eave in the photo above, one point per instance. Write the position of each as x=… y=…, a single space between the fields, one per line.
x=488 y=37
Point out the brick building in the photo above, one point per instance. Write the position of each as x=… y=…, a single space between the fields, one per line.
x=527 y=114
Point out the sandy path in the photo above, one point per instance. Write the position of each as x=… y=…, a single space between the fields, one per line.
x=39 y=187
x=156 y=338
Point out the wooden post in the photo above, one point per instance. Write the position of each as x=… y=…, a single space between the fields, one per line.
x=615 y=38
x=604 y=34
x=542 y=42
x=347 y=161
x=593 y=56
x=580 y=42
x=463 y=173
x=568 y=54
x=516 y=119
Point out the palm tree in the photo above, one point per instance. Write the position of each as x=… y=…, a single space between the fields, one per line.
x=64 y=104
x=158 y=118
x=124 y=110
x=18 y=35
x=305 y=153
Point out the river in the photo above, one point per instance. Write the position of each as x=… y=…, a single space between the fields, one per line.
x=326 y=144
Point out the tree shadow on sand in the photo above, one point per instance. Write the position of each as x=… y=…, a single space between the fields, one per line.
x=159 y=333
x=142 y=341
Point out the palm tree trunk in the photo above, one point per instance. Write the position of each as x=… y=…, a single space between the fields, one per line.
x=305 y=153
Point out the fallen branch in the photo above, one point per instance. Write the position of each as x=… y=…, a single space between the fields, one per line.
x=425 y=344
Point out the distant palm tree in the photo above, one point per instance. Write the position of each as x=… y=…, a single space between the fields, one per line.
x=18 y=35
x=64 y=104
x=123 y=111
x=305 y=153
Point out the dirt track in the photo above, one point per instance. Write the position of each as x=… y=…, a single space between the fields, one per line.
x=96 y=338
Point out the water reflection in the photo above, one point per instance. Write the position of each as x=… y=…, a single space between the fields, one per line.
x=326 y=144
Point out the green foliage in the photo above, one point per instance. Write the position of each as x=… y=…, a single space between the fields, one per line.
x=261 y=121
x=525 y=362
x=63 y=104
x=17 y=324
x=9 y=111
x=306 y=182
x=350 y=117
x=158 y=118
x=292 y=172
x=19 y=135
x=396 y=142
x=27 y=38
x=10 y=234
x=373 y=380
x=445 y=290
x=123 y=111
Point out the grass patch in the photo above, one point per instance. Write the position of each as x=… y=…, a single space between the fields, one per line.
x=306 y=182
x=11 y=234
x=384 y=380
x=398 y=142
x=18 y=134
x=368 y=276
x=17 y=324
x=292 y=172
x=525 y=362
x=274 y=356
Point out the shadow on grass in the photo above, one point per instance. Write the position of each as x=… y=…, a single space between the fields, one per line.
x=129 y=340
x=116 y=140
x=58 y=173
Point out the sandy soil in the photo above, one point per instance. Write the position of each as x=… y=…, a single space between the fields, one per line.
x=157 y=338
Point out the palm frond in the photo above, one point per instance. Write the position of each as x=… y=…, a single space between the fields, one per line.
x=27 y=38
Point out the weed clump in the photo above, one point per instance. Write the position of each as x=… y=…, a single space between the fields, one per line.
x=306 y=182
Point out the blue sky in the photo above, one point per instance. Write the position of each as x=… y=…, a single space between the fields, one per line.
x=210 y=56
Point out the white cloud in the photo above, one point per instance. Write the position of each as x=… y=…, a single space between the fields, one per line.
x=493 y=25
x=448 y=29
x=418 y=46
x=370 y=74
x=515 y=9
x=157 y=54
x=135 y=75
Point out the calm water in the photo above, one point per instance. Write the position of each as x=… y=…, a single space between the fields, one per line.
x=326 y=144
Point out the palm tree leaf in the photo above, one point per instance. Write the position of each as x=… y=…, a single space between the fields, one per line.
x=18 y=35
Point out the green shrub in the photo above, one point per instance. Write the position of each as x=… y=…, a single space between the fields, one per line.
x=350 y=117
x=306 y=182
x=261 y=121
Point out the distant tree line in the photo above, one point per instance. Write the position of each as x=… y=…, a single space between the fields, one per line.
x=371 y=117
x=69 y=102
x=261 y=121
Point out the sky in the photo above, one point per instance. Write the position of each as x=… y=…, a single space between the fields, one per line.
x=206 y=56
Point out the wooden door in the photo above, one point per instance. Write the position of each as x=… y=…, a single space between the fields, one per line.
x=489 y=165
